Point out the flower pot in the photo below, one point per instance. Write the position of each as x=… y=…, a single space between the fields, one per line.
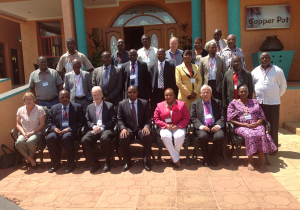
x=272 y=43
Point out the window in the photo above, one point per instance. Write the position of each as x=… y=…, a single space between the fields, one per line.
x=144 y=15
x=172 y=35
x=2 y=62
x=154 y=41
x=113 y=44
x=51 y=42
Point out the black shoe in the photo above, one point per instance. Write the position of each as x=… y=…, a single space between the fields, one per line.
x=95 y=167
x=54 y=168
x=70 y=168
x=106 y=168
x=35 y=166
x=205 y=164
x=214 y=163
x=274 y=153
x=127 y=167
x=147 y=166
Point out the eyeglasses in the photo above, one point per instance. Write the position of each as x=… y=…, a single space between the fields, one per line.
x=205 y=93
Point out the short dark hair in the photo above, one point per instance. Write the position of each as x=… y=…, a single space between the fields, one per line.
x=189 y=52
x=70 y=40
x=146 y=35
x=198 y=38
x=242 y=85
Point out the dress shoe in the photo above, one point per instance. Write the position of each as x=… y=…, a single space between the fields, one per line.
x=127 y=167
x=147 y=166
x=35 y=166
x=70 y=168
x=54 y=168
x=106 y=168
x=274 y=153
x=95 y=167
x=205 y=164
x=214 y=163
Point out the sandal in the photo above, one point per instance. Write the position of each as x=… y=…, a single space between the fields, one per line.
x=262 y=166
x=251 y=166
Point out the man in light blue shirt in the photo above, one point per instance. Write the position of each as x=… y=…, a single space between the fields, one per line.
x=174 y=55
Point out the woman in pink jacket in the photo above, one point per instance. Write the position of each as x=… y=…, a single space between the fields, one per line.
x=172 y=116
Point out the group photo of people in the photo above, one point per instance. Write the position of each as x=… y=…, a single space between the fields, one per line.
x=182 y=92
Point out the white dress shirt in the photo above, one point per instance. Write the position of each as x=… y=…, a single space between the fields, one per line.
x=78 y=87
x=148 y=56
x=136 y=110
x=204 y=115
x=135 y=73
x=99 y=119
x=268 y=85
x=64 y=121
x=160 y=65
x=212 y=62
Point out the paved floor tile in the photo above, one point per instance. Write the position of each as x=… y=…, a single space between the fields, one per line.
x=6 y=183
x=228 y=184
x=222 y=172
x=92 y=184
x=28 y=184
x=118 y=199
x=159 y=182
x=59 y=184
x=193 y=183
x=80 y=199
x=196 y=199
x=264 y=184
x=156 y=199
x=44 y=199
x=289 y=183
x=194 y=170
x=236 y=200
x=125 y=183
x=16 y=197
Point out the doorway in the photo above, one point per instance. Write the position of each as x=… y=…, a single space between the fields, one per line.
x=133 y=37
x=15 y=66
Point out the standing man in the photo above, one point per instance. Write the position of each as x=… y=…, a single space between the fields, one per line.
x=121 y=56
x=109 y=78
x=230 y=50
x=212 y=69
x=174 y=55
x=101 y=120
x=220 y=43
x=46 y=83
x=208 y=120
x=162 y=75
x=78 y=83
x=135 y=73
x=232 y=79
x=147 y=54
x=269 y=85
x=64 y=120
x=65 y=61
x=134 y=121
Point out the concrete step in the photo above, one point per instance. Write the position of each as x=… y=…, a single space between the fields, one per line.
x=293 y=127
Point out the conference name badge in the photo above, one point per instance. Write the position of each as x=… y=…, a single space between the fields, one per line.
x=132 y=76
x=208 y=116
x=168 y=120
x=248 y=117
x=45 y=84
x=192 y=80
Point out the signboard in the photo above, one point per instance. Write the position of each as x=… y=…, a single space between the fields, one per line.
x=268 y=17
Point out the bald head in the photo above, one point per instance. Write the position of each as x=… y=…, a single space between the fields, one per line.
x=173 y=44
x=97 y=94
x=132 y=55
x=236 y=63
x=121 y=45
x=265 y=60
x=76 y=64
x=231 y=40
x=42 y=63
x=212 y=49
x=217 y=34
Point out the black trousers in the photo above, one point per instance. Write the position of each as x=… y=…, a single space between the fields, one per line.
x=54 y=141
x=204 y=137
x=157 y=98
x=88 y=144
x=272 y=115
x=83 y=101
x=216 y=94
x=146 y=141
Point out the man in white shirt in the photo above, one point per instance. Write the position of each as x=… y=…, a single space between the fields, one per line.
x=269 y=85
x=78 y=83
x=147 y=54
x=220 y=43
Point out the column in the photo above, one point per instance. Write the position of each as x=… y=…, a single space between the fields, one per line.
x=68 y=21
x=196 y=19
x=80 y=27
x=234 y=19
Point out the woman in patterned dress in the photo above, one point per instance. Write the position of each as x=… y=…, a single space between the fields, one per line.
x=30 y=122
x=247 y=116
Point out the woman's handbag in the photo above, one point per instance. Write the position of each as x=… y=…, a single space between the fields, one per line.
x=7 y=160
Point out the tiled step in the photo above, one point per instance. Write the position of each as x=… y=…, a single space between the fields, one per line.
x=293 y=127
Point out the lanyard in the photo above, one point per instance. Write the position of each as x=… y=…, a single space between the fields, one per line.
x=208 y=110
x=172 y=56
x=169 y=109
x=191 y=72
x=45 y=76
x=73 y=58
x=267 y=71
x=98 y=113
x=121 y=58
x=148 y=53
x=238 y=76
x=214 y=63
x=78 y=80
x=133 y=69
x=66 y=117
x=161 y=67
x=197 y=52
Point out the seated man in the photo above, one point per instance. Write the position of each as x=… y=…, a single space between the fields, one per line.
x=64 y=120
x=207 y=118
x=79 y=84
x=101 y=119
x=134 y=120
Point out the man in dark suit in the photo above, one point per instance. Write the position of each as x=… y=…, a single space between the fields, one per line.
x=101 y=119
x=162 y=75
x=134 y=120
x=135 y=73
x=109 y=78
x=64 y=120
x=78 y=83
x=232 y=79
x=208 y=121
x=212 y=69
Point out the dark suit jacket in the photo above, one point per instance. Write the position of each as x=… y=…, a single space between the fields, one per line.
x=125 y=117
x=203 y=54
x=114 y=84
x=143 y=79
x=76 y=117
x=228 y=87
x=108 y=116
x=86 y=85
x=197 y=113
x=169 y=78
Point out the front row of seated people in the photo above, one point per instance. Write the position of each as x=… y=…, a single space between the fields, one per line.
x=133 y=120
